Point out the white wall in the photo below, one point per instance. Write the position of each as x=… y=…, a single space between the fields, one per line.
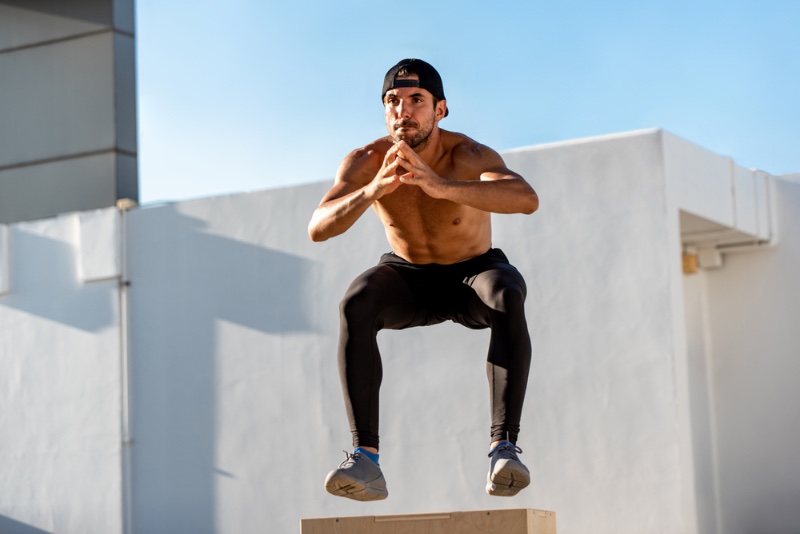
x=752 y=312
x=235 y=404
x=60 y=407
x=604 y=384
x=231 y=301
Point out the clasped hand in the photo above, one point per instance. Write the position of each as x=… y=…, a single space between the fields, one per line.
x=402 y=165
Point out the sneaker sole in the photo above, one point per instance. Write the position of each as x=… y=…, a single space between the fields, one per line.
x=507 y=482
x=343 y=486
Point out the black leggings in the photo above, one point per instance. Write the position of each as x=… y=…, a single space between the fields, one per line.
x=482 y=292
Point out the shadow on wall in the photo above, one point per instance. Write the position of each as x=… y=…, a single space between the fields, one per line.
x=45 y=284
x=10 y=526
x=176 y=263
x=185 y=280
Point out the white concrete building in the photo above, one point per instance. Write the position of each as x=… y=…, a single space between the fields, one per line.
x=171 y=369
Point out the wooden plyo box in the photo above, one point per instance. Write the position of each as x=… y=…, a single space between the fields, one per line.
x=516 y=521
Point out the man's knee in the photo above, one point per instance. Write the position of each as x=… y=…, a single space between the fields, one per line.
x=509 y=299
x=508 y=292
x=363 y=298
x=358 y=304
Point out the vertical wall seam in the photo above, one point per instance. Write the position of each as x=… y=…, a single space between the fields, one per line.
x=757 y=202
x=711 y=398
x=125 y=413
x=679 y=349
x=732 y=185
x=771 y=205
x=5 y=261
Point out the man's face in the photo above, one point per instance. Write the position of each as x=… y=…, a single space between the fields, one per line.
x=410 y=113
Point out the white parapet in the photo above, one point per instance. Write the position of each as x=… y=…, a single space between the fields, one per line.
x=99 y=245
x=5 y=284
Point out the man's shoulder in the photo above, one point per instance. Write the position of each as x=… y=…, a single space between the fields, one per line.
x=467 y=150
x=365 y=159
x=374 y=150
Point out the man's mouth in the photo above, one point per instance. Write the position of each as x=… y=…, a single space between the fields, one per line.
x=405 y=125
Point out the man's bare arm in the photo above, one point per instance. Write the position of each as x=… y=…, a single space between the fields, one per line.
x=354 y=190
x=499 y=189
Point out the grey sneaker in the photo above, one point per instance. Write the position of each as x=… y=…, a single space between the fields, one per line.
x=357 y=478
x=507 y=475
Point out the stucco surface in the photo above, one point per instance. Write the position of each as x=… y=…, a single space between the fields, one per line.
x=653 y=397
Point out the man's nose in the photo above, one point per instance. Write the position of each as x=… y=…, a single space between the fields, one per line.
x=403 y=110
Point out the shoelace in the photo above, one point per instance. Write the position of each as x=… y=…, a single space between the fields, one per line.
x=350 y=459
x=506 y=451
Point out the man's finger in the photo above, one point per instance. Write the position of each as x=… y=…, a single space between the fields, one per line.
x=391 y=153
x=395 y=169
x=405 y=163
x=407 y=154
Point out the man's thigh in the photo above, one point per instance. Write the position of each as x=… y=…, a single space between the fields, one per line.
x=486 y=292
x=389 y=297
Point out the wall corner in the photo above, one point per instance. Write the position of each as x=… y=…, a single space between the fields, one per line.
x=5 y=278
x=99 y=245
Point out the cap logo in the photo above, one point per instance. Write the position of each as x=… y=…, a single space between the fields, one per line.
x=405 y=83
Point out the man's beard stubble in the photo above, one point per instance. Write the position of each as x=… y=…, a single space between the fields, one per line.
x=417 y=141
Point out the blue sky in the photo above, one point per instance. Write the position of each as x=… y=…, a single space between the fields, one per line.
x=246 y=95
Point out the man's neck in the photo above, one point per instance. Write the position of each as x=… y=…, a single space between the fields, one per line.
x=432 y=149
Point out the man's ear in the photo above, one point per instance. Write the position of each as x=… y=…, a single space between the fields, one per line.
x=441 y=109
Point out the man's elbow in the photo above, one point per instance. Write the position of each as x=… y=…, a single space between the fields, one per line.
x=317 y=237
x=315 y=233
x=531 y=203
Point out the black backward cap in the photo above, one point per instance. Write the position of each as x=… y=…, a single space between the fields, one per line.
x=429 y=79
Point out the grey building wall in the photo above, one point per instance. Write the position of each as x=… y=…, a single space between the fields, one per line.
x=67 y=106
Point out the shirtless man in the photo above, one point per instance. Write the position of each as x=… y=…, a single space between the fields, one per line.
x=434 y=191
